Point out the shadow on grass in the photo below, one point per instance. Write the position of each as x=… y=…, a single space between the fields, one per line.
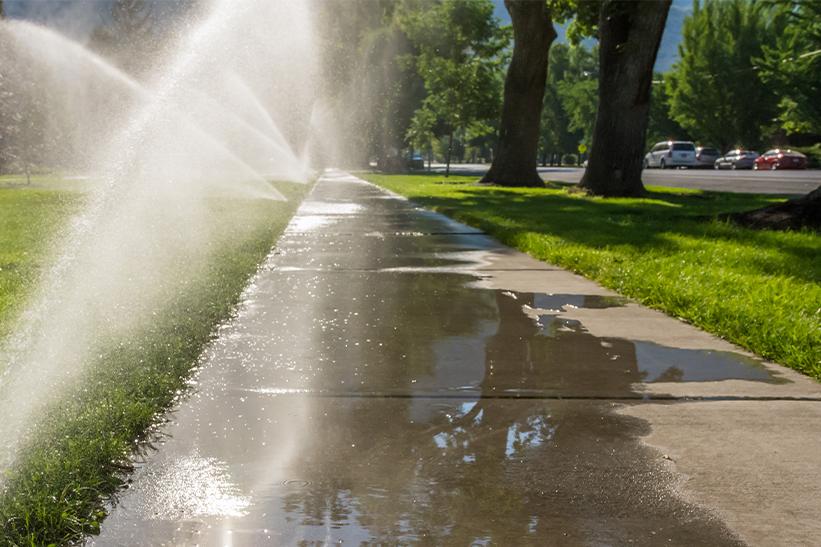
x=658 y=222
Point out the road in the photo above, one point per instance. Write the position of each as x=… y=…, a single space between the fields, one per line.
x=394 y=377
x=754 y=182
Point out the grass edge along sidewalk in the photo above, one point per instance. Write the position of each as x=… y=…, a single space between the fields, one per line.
x=757 y=289
x=80 y=457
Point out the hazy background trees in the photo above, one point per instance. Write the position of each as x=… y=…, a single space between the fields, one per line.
x=129 y=35
x=459 y=57
x=746 y=75
x=404 y=78
x=570 y=102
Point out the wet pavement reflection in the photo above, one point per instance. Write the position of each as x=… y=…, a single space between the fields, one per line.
x=351 y=402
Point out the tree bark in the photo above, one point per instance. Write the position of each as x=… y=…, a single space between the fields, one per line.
x=516 y=158
x=629 y=37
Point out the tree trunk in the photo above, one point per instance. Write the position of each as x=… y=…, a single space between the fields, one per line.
x=517 y=153
x=629 y=37
x=450 y=148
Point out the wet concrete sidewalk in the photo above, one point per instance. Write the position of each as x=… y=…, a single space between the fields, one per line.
x=395 y=377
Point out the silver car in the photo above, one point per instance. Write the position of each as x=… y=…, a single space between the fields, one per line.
x=671 y=154
x=736 y=159
x=706 y=156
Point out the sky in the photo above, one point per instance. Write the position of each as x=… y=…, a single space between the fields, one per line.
x=668 y=51
x=78 y=17
x=75 y=18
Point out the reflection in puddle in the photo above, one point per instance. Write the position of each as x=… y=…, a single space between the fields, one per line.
x=491 y=470
x=564 y=301
x=309 y=207
x=416 y=408
x=521 y=346
x=193 y=487
x=412 y=460
x=523 y=436
x=646 y=361
x=663 y=364
x=310 y=223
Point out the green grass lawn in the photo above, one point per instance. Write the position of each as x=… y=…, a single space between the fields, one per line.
x=758 y=289
x=28 y=216
x=78 y=459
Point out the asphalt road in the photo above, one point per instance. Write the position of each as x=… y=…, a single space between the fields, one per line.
x=754 y=182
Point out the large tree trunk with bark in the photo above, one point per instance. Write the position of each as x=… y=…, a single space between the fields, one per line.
x=517 y=152
x=629 y=37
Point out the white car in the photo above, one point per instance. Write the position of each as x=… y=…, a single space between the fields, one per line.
x=671 y=154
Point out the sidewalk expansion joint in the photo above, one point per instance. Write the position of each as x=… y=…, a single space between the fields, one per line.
x=512 y=396
x=407 y=269
x=399 y=233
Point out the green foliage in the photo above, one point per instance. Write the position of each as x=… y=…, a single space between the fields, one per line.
x=406 y=72
x=554 y=136
x=714 y=90
x=758 y=289
x=571 y=98
x=371 y=89
x=57 y=492
x=579 y=91
x=582 y=15
x=459 y=45
x=660 y=125
x=792 y=67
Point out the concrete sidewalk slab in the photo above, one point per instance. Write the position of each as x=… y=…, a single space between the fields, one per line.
x=395 y=377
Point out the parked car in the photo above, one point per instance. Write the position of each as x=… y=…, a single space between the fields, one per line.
x=781 y=159
x=416 y=162
x=736 y=159
x=671 y=154
x=706 y=156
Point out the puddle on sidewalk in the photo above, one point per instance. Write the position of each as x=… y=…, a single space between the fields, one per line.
x=433 y=471
x=458 y=436
x=374 y=407
x=428 y=333
x=563 y=301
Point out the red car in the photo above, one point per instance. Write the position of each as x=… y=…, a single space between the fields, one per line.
x=780 y=159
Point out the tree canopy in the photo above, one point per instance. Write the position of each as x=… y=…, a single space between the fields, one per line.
x=402 y=77
x=459 y=45
x=714 y=88
x=790 y=65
